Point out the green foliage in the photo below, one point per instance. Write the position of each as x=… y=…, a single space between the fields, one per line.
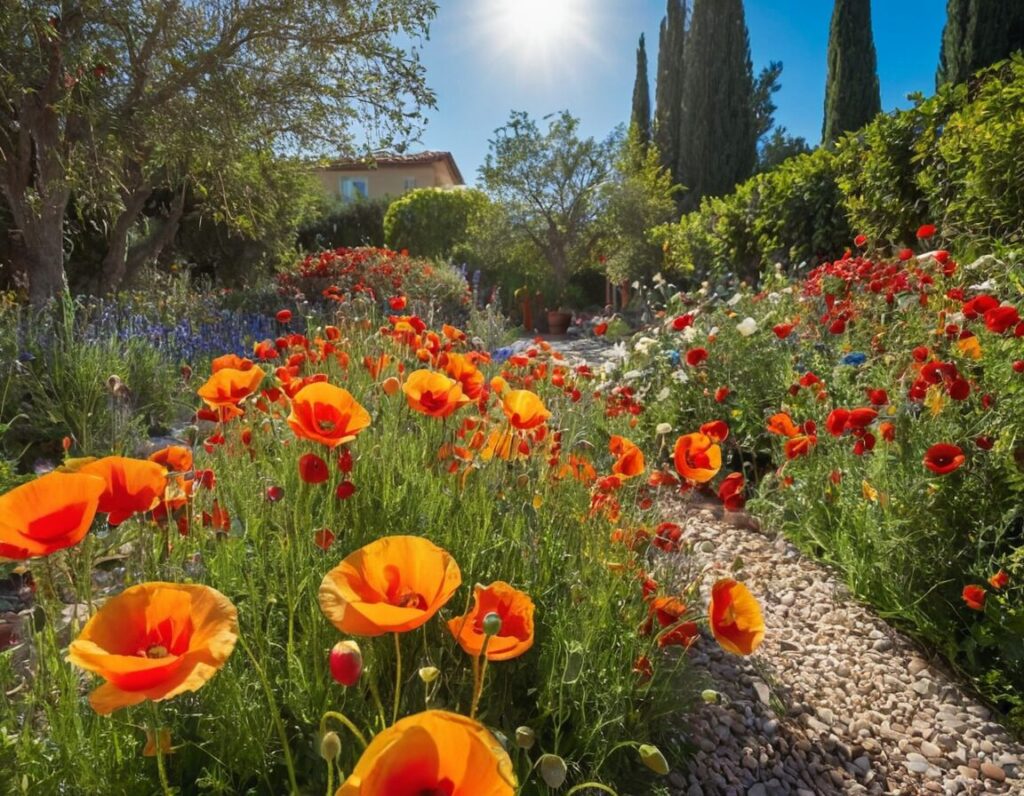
x=548 y=184
x=349 y=224
x=951 y=160
x=668 y=110
x=779 y=147
x=433 y=222
x=852 y=95
x=790 y=215
x=642 y=96
x=638 y=198
x=977 y=33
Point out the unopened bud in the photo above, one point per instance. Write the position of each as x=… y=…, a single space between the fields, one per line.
x=330 y=746
x=552 y=770
x=346 y=662
x=390 y=385
x=663 y=428
x=710 y=696
x=525 y=738
x=429 y=674
x=492 y=624
x=654 y=759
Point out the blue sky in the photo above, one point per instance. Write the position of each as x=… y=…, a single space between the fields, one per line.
x=483 y=63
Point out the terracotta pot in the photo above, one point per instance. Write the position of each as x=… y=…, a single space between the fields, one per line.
x=558 y=322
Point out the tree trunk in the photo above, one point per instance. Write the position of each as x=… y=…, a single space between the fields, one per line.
x=38 y=247
x=115 y=261
x=152 y=245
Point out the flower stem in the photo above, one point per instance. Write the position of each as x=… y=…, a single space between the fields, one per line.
x=158 y=742
x=478 y=684
x=398 y=678
x=276 y=714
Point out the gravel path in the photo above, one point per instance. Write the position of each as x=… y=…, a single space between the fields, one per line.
x=835 y=701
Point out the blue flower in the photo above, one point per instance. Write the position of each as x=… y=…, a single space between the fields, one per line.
x=854 y=358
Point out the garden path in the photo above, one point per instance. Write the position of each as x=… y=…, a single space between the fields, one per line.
x=835 y=701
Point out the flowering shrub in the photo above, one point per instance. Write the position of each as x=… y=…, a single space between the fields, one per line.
x=339 y=276
x=878 y=405
x=381 y=563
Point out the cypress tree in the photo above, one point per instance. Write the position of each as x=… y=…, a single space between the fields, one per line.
x=977 y=34
x=852 y=96
x=718 y=146
x=669 y=88
x=642 y=97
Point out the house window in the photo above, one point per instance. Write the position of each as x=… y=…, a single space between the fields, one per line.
x=410 y=183
x=353 y=188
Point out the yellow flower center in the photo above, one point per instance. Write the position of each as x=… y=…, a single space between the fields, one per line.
x=157 y=651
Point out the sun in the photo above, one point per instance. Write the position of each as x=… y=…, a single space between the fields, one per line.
x=539 y=36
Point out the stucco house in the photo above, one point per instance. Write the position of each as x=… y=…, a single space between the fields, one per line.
x=388 y=174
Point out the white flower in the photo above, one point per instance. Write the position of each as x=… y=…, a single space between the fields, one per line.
x=689 y=334
x=713 y=331
x=643 y=345
x=746 y=327
x=735 y=300
x=659 y=279
x=631 y=375
x=680 y=376
x=663 y=428
x=618 y=351
x=636 y=285
x=988 y=284
x=663 y=394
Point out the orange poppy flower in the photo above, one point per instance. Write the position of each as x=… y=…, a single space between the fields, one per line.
x=433 y=394
x=48 y=514
x=133 y=486
x=327 y=414
x=516 y=611
x=669 y=613
x=697 y=458
x=974 y=595
x=735 y=617
x=782 y=424
x=524 y=409
x=392 y=585
x=462 y=369
x=229 y=386
x=630 y=461
x=232 y=361
x=432 y=752
x=155 y=641
x=176 y=458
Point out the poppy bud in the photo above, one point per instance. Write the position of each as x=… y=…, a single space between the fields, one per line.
x=330 y=746
x=525 y=738
x=346 y=663
x=492 y=624
x=429 y=674
x=390 y=385
x=654 y=759
x=663 y=428
x=274 y=493
x=552 y=770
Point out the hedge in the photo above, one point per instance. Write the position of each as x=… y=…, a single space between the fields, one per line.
x=952 y=160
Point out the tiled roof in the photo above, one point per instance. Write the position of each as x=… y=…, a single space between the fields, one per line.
x=386 y=159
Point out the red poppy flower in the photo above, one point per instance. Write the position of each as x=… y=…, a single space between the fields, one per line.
x=943 y=458
x=861 y=418
x=783 y=330
x=836 y=421
x=730 y=492
x=906 y=254
x=284 y=316
x=999 y=580
x=974 y=596
x=275 y=493
x=695 y=356
x=600 y=329
x=682 y=322
x=878 y=397
x=925 y=231
x=345 y=490
x=313 y=469
x=669 y=613
x=715 y=430
x=398 y=303
x=887 y=430
x=721 y=394
x=323 y=539
x=999 y=319
x=860 y=241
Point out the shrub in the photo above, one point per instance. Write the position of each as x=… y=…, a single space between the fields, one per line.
x=433 y=222
x=349 y=224
x=341 y=275
x=952 y=159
